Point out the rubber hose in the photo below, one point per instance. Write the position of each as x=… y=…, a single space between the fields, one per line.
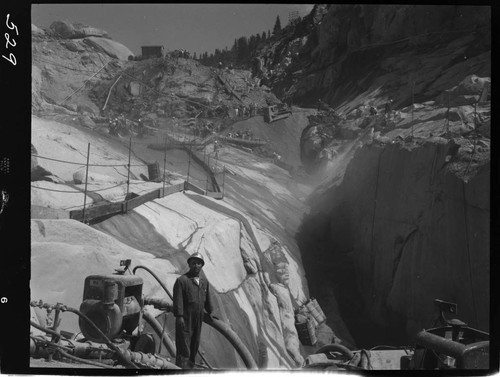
x=157 y=279
x=225 y=330
x=39 y=339
x=234 y=339
x=336 y=348
x=84 y=361
x=153 y=322
x=118 y=352
x=60 y=349
x=365 y=360
x=41 y=328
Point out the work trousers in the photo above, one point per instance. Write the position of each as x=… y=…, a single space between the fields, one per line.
x=187 y=339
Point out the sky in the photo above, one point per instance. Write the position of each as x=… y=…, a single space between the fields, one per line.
x=194 y=27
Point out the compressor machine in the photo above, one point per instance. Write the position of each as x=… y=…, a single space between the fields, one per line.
x=111 y=322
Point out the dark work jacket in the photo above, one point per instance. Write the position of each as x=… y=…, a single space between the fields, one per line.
x=189 y=298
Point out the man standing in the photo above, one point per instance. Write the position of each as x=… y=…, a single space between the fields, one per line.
x=191 y=296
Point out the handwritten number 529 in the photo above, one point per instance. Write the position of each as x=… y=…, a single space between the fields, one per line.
x=8 y=41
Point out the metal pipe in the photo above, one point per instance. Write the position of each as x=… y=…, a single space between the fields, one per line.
x=189 y=163
x=153 y=322
x=128 y=166
x=86 y=177
x=439 y=344
x=164 y=164
x=110 y=89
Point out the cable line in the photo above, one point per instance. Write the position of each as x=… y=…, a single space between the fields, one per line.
x=83 y=164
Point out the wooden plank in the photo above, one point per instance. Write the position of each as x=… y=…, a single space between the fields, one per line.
x=97 y=211
x=215 y=195
x=136 y=202
x=76 y=214
x=194 y=188
x=173 y=189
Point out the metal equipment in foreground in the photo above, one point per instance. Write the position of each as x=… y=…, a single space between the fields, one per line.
x=276 y=112
x=111 y=321
x=452 y=345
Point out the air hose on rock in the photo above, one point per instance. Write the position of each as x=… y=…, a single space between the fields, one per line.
x=217 y=324
x=167 y=342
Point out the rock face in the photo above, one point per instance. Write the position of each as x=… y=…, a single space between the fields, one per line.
x=110 y=47
x=351 y=50
x=69 y=30
x=36 y=31
x=409 y=231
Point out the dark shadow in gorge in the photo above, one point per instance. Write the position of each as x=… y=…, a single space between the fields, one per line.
x=331 y=277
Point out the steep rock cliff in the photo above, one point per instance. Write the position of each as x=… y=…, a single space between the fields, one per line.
x=348 y=51
x=400 y=231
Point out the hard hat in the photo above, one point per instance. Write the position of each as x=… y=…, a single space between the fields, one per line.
x=197 y=256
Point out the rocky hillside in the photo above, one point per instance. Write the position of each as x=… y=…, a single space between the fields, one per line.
x=252 y=259
x=350 y=54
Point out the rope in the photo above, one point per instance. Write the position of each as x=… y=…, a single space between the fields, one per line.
x=83 y=164
x=47 y=189
x=77 y=192
x=107 y=188
x=85 y=83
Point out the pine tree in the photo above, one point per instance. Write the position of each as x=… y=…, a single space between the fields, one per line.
x=243 y=51
x=277 y=26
